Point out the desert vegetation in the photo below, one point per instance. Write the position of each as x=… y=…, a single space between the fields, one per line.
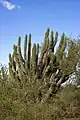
x=31 y=87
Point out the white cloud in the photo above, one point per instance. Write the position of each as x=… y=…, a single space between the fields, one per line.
x=9 y=5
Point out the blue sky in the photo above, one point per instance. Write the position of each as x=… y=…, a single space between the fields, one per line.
x=20 y=17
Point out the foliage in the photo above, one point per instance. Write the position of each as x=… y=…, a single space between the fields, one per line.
x=65 y=105
x=78 y=65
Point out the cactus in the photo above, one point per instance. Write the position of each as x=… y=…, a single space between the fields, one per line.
x=25 y=47
x=49 y=70
x=29 y=51
x=61 y=48
x=37 y=52
x=34 y=57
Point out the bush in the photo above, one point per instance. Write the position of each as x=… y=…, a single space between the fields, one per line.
x=14 y=106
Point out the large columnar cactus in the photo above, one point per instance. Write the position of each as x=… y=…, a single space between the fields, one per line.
x=47 y=71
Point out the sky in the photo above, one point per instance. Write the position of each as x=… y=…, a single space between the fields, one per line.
x=20 y=17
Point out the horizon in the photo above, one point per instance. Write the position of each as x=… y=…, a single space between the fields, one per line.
x=19 y=18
